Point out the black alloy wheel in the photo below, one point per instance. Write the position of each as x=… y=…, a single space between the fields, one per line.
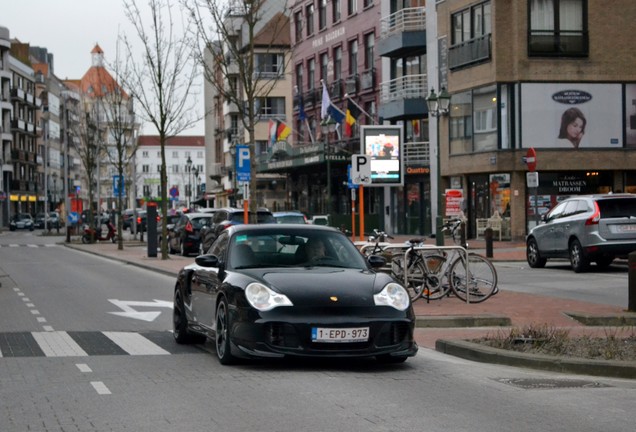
x=534 y=258
x=222 y=339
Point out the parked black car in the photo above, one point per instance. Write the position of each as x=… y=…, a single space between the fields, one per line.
x=21 y=221
x=142 y=222
x=260 y=294
x=184 y=236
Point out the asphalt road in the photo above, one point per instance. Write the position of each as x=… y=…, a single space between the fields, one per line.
x=85 y=345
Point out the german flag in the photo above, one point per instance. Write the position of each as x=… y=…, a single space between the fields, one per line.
x=351 y=117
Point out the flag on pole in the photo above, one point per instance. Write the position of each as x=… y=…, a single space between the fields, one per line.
x=278 y=131
x=328 y=109
x=351 y=117
x=416 y=127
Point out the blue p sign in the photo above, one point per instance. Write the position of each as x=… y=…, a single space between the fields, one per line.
x=243 y=167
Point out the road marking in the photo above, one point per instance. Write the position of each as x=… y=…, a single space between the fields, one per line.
x=100 y=388
x=58 y=344
x=35 y=312
x=41 y=319
x=135 y=344
x=47 y=328
x=130 y=312
x=83 y=367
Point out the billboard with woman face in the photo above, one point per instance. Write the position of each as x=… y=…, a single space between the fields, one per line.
x=571 y=115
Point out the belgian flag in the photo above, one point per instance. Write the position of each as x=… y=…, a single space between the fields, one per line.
x=351 y=117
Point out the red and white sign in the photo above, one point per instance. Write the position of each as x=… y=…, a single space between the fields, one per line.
x=531 y=159
x=454 y=202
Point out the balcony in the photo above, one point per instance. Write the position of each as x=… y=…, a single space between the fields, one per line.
x=403 y=97
x=417 y=153
x=403 y=32
x=470 y=52
x=351 y=85
x=367 y=80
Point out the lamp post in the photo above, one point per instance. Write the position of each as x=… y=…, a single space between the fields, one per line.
x=196 y=183
x=189 y=194
x=327 y=126
x=438 y=106
x=54 y=190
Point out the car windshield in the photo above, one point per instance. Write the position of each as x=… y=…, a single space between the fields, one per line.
x=293 y=219
x=293 y=248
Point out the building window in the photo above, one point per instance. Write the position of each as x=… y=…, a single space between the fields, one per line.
x=337 y=63
x=335 y=10
x=298 y=25
x=369 y=42
x=324 y=63
x=175 y=154
x=352 y=6
x=485 y=119
x=299 y=77
x=353 y=57
x=269 y=65
x=175 y=169
x=310 y=19
x=470 y=36
x=557 y=28
x=144 y=154
x=147 y=192
x=158 y=168
x=322 y=14
x=367 y=3
x=270 y=107
x=145 y=168
x=311 y=73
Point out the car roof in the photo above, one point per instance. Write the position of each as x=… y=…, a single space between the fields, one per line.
x=279 y=227
x=194 y=215
x=288 y=213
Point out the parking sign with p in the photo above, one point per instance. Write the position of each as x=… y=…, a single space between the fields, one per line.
x=361 y=169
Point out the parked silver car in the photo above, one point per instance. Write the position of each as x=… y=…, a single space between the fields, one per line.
x=585 y=229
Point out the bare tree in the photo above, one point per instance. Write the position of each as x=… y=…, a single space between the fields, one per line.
x=239 y=30
x=121 y=144
x=162 y=82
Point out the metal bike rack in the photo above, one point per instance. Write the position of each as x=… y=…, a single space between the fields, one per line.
x=462 y=251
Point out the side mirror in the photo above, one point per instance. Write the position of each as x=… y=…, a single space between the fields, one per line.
x=207 y=261
x=376 y=261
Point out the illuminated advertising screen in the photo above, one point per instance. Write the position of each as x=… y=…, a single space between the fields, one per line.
x=384 y=144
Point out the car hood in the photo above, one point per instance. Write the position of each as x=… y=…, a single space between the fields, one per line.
x=323 y=286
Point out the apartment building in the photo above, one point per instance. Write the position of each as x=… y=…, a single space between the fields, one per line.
x=227 y=124
x=185 y=165
x=518 y=73
x=20 y=190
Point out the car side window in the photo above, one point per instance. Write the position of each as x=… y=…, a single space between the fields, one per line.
x=219 y=247
x=570 y=208
x=556 y=212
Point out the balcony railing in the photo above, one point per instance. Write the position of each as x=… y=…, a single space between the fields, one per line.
x=417 y=153
x=472 y=51
x=408 y=19
x=406 y=87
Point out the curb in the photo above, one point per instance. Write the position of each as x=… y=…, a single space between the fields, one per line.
x=611 y=320
x=427 y=321
x=484 y=354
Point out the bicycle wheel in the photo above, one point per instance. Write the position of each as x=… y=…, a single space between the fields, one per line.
x=436 y=283
x=416 y=275
x=483 y=278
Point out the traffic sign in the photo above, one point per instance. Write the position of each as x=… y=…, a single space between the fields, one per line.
x=243 y=167
x=531 y=159
x=350 y=184
x=532 y=179
x=361 y=169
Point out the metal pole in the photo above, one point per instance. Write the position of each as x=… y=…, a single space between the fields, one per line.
x=439 y=234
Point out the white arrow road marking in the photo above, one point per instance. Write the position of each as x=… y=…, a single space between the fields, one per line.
x=130 y=312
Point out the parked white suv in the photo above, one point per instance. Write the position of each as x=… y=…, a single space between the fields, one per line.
x=585 y=229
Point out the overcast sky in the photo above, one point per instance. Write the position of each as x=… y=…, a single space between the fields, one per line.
x=69 y=29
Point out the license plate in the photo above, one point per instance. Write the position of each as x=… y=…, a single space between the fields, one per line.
x=336 y=335
x=626 y=228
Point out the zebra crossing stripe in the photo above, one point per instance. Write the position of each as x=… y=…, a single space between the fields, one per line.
x=58 y=344
x=135 y=344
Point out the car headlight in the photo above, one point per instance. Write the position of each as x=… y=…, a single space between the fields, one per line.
x=263 y=298
x=393 y=295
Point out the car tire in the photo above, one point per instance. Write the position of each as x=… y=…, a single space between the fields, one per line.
x=86 y=239
x=222 y=340
x=534 y=258
x=578 y=260
x=180 y=323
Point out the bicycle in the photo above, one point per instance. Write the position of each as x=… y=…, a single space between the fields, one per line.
x=445 y=272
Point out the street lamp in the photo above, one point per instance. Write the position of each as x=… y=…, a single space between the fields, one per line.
x=196 y=183
x=54 y=190
x=438 y=106
x=327 y=126
x=189 y=194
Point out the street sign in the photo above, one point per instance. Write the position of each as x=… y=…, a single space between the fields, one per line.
x=531 y=159
x=361 y=169
x=118 y=186
x=243 y=167
x=350 y=184
x=532 y=179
